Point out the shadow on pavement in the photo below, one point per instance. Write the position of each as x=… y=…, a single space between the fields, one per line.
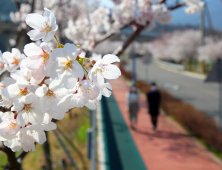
x=164 y=134
x=178 y=142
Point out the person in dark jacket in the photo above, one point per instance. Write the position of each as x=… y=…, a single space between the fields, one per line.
x=153 y=98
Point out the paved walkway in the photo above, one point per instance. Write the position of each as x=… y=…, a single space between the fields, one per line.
x=171 y=148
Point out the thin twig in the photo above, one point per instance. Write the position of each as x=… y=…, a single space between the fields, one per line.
x=163 y=1
x=178 y=5
x=122 y=48
x=140 y=28
x=12 y=161
x=110 y=34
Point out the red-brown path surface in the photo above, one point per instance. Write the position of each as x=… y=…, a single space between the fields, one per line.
x=171 y=148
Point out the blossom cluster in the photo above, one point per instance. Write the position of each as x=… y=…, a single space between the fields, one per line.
x=140 y=12
x=211 y=51
x=185 y=45
x=193 y=6
x=20 y=15
x=44 y=84
x=88 y=23
x=177 y=46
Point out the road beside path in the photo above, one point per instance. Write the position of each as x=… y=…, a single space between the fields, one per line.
x=171 y=148
x=203 y=96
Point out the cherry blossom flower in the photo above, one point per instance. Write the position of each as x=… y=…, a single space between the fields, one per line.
x=38 y=57
x=161 y=14
x=26 y=138
x=92 y=104
x=105 y=91
x=5 y=83
x=6 y=115
x=50 y=97
x=8 y=130
x=84 y=91
x=104 y=69
x=66 y=67
x=2 y=64
x=6 y=102
x=29 y=110
x=44 y=26
x=13 y=59
x=26 y=76
x=193 y=6
x=9 y=127
x=96 y=57
x=33 y=133
x=29 y=135
x=13 y=143
x=17 y=137
x=17 y=90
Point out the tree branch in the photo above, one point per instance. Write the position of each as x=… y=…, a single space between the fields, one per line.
x=46 y=148
x=110 y=34
x=12 y=161
x=140 y=28
x=105 y=37
x=21 y=155
x=122 y=48
x=163 y=1
x=2 y=149
x=18 y=38
x=33 y=6
x=178 y=5
x=17 y=3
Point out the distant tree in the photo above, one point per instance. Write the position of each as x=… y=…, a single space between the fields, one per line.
x=211 y=51
x=177 y=46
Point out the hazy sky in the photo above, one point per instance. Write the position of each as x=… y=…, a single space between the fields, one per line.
x=180 y=17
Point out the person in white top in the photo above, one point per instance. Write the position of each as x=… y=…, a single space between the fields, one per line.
x=133 y=105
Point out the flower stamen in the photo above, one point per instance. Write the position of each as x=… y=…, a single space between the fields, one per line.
x=27 y=108
x=68 y=64
x=11 y=126
x=45 y=56
x=46 y=27
x=50 y=93
x=16 y=61
x=23 y=92
x=1 y=65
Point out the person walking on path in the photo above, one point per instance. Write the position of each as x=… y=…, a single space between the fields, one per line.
x=133 y=105
x=153 y=98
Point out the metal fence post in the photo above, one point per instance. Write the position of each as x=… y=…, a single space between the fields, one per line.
x=89 y=141
x=220 y=93
x=133 y=69
x=93 y=155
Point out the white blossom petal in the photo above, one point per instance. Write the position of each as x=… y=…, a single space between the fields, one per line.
x=110 y=58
